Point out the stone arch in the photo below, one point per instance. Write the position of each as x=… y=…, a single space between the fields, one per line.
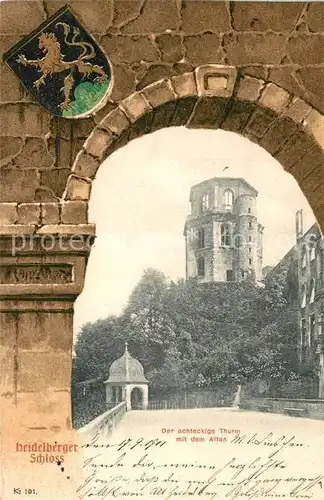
x=213 y=96
x=37 y=307
x=137 y=398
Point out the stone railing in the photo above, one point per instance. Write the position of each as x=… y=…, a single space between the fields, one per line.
x=307 y=408
x=104 y=425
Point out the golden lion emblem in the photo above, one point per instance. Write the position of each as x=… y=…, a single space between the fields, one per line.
x=53 y=61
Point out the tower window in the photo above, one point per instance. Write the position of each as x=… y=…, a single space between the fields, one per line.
x=250 y=249
x=250 y=238
x=250 y=261
x=225 y=235
x=312 y=255
x=303 y=334
x=228 y=199
x=303 y=296
x=312 y=292
x=250 y=225
x=249 y=210
x=201 y=266
x=229 y=275
x=204 y=202
x=312 y=325
x=304 y=259
x=201 y=238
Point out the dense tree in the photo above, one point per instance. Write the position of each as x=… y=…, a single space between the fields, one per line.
x=188 y=334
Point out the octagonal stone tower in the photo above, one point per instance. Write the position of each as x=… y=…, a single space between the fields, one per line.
x=222 y=233
x=127 y=382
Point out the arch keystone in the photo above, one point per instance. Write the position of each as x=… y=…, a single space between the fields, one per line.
x=215 y=80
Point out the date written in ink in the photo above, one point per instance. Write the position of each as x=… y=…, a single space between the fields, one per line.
x=24 y=491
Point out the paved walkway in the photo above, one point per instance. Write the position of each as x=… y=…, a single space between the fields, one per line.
x=212 y=453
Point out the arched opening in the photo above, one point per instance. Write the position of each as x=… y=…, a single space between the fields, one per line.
x=228 y=199
x=137 y=399
x=146 y=223
x=194 y=110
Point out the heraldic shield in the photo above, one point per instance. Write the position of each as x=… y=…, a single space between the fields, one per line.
x=62 y=66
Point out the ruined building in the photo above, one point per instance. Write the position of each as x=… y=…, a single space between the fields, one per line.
x=223 y=235
x=305 y=260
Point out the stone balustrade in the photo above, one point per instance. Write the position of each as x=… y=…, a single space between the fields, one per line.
x=105 y=423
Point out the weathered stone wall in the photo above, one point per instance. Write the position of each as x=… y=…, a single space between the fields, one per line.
x=147 y=40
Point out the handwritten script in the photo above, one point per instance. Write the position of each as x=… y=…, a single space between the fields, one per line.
x=247 y=466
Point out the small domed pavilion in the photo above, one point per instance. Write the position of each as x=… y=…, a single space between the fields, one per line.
x=127 y=382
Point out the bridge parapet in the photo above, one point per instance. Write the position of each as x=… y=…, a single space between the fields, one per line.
x=104 y=425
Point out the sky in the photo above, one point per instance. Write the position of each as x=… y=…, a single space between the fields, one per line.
x=140 y=200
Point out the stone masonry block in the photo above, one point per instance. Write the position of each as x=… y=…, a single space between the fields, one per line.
x=55 y=179
x=8 y=213
x=297 y=110
x=135 y=106
x=124 y=82
x=238 y=115
x=155 y=17
x=129 y=49
x=86 y=166
x=171 y=47
x=159 y=93
x=259 y=16
x=29 y=213
x=183 y=111
x=185 y=85
x=198 y=16
x=254 y=48
x=209 y=112
x=215 y=80
x=17 y=119
x=74 y=212
x=9 y=147
x=260 y=121
x=21 y=18
x=203 y=49
x=98 y=143
x=295 y=149
x=10 y=87
x=249 y=89
x=18 y=186
x=274 y=97
x=78 y=189
x=68 y=229
x=82 y=127
x=154 y=73
x=116 y=122
x=277 y=134
x=34 y=154
x=315 y=16
x=306 y=48
x=314 y=124
x=50 y=213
